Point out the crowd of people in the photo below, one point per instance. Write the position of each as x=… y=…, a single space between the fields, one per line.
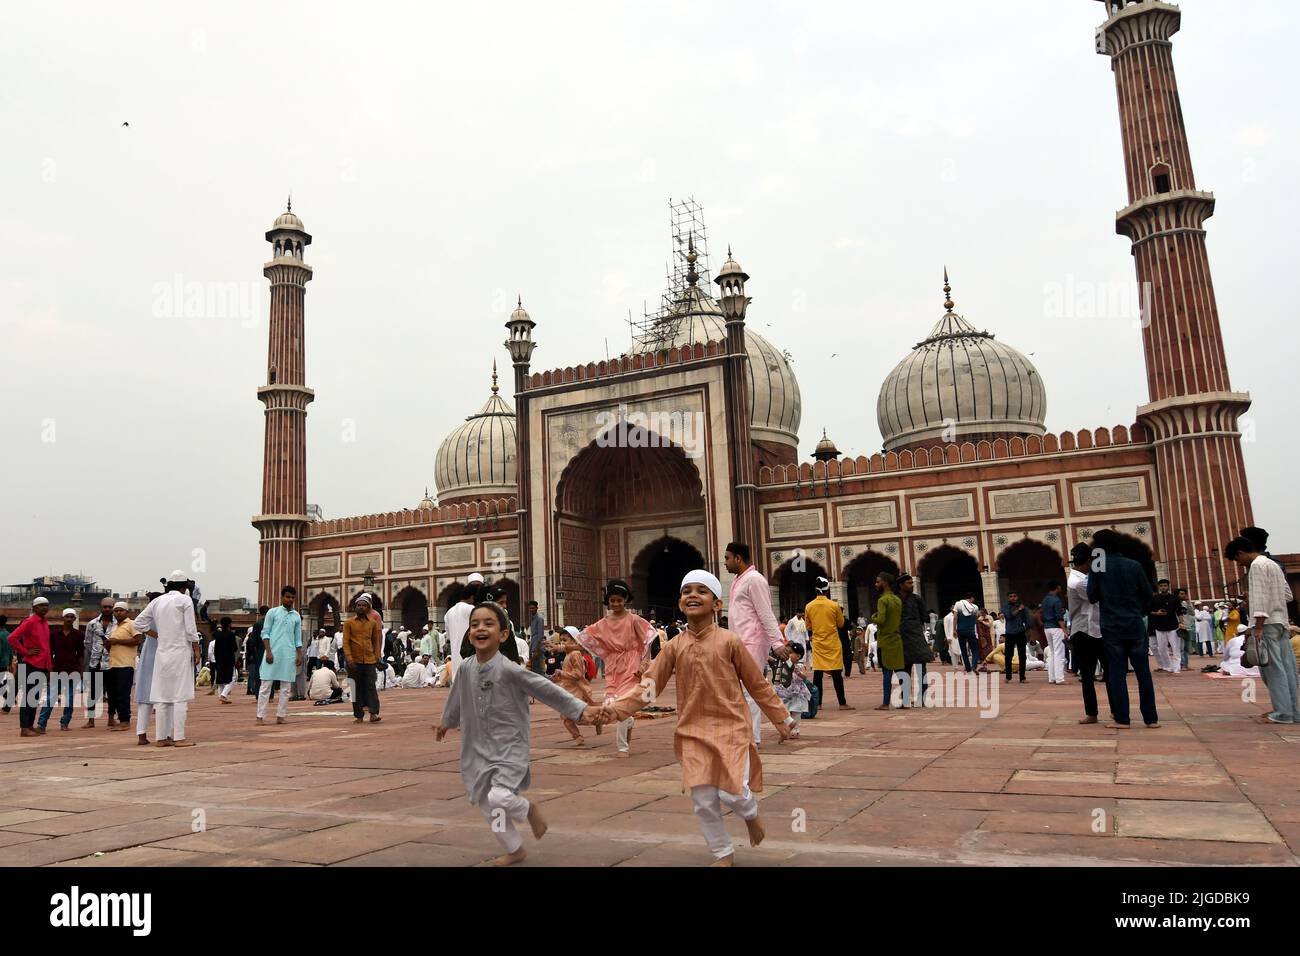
x=732 y=672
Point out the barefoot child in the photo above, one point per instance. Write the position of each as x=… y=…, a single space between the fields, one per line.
x=489 y=702
x=623 y=640
x=795 y=695
x=714 y=739
x=572 y=676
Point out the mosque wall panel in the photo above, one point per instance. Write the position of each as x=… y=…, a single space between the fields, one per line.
x=456 y=555
x=1120 y=493
x=866 y=517
x=409 y=559
x=359 y=561
x=788 y=524
x=1034 y=501
x=941 y=509
x=330 y=566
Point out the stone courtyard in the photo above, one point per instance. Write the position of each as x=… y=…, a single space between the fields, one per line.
x=1212 y=785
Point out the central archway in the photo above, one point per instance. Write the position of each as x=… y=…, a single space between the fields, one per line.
x=608 y=499
x=948 y=574
x=412 y=608
x=796 y=583
x=1027 y=567
x=860 y=578
x=657 y=576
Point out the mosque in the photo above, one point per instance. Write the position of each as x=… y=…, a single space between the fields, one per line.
x=646 y=465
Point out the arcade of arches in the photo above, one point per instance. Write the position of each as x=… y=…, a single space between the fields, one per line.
x=948 y=574
x=609 y=497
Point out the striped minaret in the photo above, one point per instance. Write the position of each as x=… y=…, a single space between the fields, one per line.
x=1193 y=411
x=284 y=469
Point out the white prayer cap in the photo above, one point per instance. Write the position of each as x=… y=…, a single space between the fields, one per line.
x=365 y=598
x=120 y=604
x=705 y=578
x=40 y=601
x=69 y=612
x=177 y=577
x=573 y=631
x=823 y=585
x=476 y=578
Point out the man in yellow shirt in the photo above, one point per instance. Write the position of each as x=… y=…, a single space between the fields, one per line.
x=122 y=648
x=824 y=619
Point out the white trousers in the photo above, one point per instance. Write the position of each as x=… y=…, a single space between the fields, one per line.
x=225 y=690
x=621 y=730
x=503 y=809
x=709 y=802
x=169 y=719
x=755 y=717
x=1169 y=651
x=142 y=712
x=281 y=702
x=1056 y=662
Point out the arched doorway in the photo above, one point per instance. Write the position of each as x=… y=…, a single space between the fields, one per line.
x=412 y=609
x=1138 y=551
x=860 y=577
x=323 y=611
x=948 y=574
x=1026 y=568
x=512 y=599
x=657 y=576
x=612 y=492
x=796 y=584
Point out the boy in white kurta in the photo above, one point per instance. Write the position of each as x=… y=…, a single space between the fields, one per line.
x=714 y=741
x=489 y=703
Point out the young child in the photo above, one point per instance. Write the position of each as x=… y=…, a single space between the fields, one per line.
x=714 y=741
x=795 y=694
x=572 y=676
x=489 y=702
x=622 y=639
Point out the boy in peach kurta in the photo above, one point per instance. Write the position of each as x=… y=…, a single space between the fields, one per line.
x=572 y=676
x=714 y=741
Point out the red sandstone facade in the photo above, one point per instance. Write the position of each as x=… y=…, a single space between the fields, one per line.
x=987 y=516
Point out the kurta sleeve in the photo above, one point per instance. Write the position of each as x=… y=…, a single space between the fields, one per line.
x=592 y=639
x=451 y=710
x=188 y=622
x=633 y=699
x=759 y=689
x=551 y=694
x=143 y=622
x=18 y=639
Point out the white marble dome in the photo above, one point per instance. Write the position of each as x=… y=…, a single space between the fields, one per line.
x=478 y=459
x=775 y=406
x=960 y=384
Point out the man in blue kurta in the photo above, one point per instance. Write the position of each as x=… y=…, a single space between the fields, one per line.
x=282 y=640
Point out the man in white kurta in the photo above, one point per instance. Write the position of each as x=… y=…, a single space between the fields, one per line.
x=170 y=617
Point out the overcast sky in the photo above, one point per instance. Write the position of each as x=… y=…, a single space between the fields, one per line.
x=447 y=159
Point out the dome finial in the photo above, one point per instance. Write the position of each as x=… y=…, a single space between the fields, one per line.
x=288 y=206
x=692 y=276
x=947 y=291
x=494 y=377
x=519 y=301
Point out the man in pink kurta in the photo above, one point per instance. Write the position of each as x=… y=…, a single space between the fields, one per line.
x=750 y=617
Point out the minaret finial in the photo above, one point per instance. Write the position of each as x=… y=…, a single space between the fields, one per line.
x=947 y=291
x=519 y=300
x=289 y=203
x=494 y=377
x=692 y=276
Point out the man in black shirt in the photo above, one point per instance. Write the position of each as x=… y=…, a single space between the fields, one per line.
x=253 y=650
x=1122 y=591
x=1016 y=616
x=1162 y=623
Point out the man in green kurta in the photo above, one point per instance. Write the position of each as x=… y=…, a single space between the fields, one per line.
x=889 y=642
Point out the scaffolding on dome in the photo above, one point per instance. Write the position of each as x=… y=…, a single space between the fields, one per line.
x=658 y=329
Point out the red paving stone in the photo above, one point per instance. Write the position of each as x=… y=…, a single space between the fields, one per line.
x=899 y=788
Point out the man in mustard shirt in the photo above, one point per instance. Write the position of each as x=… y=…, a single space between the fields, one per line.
x=824 y=619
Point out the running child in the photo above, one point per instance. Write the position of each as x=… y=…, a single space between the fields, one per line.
x=489 y=702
